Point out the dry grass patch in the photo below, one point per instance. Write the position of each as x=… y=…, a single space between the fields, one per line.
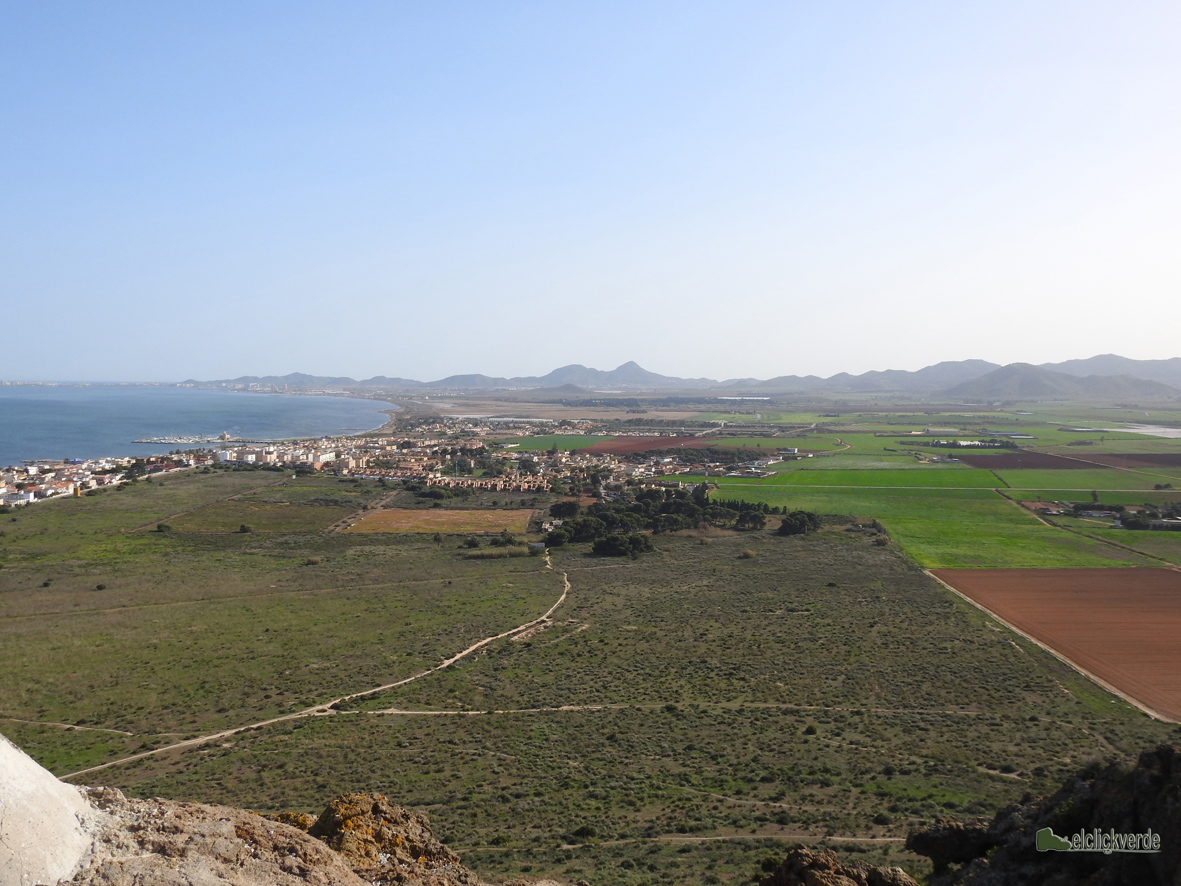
x=230 y=516
x=444 y=520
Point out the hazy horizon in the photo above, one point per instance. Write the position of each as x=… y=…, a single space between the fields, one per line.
x=539 y=374
x=733 y=190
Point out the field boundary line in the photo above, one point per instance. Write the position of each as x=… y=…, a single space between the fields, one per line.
x=1025 y=510
x=346 y=521
x=325 y=709
x=1136 y=703
x=233 y=497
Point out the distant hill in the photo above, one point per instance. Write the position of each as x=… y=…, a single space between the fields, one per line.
x=1166 y=371
x=1106 y=376
x=1023 y=381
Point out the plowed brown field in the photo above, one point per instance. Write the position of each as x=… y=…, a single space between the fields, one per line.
x=1138 y=460
x=1119 y=625
x=1022 y=460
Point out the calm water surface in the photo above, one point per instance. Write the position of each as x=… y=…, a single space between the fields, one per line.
x=98 y=420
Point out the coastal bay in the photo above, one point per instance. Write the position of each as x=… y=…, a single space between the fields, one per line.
x=91 y=421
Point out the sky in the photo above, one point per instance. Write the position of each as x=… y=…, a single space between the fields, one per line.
x=719 y=189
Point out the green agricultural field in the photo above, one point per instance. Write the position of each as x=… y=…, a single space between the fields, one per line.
x=563 y=442
x=816 y=472
x=1135 y=497
x=1117 y=443
x=945 y=528
x=885 y=461
x=1163 y=545
x=1084 y=479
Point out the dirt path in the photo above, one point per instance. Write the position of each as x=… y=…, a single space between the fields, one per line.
x=345 y=522
x=69 y=726
x=655 y=705
x=325 y=709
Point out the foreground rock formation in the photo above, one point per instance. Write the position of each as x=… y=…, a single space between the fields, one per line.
x=1118 y=798
x=45 y=826
x=803 y=867
x=53 y=833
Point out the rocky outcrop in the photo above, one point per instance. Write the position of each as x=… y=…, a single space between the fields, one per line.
x=359 y=840
x=162 y=843
x=1115 y=798
x=386 y=843
x=949 y=842
x=54 y=833
x=803 y=867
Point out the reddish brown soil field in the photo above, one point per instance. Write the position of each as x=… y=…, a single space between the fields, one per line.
x=1014 y=460
x=1137 y=459
x=1121 y=625
x=627 y=445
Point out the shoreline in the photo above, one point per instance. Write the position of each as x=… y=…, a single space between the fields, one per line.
x=128 y=450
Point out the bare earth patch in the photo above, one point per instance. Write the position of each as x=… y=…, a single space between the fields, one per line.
x=445 y=520
x=1118 y=625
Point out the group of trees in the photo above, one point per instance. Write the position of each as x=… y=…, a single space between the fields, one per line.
x=799 y=523
x=658 y=511
x=1140 y=519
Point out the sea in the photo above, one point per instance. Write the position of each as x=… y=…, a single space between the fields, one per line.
x=92 y=421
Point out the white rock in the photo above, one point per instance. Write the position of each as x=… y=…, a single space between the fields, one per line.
x=46 y=826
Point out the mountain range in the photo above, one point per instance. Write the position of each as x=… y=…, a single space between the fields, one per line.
x=1106 y=376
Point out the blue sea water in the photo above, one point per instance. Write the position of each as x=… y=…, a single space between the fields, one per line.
x=90 y=421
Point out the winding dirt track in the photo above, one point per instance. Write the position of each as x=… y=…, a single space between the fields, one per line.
x=325 y=708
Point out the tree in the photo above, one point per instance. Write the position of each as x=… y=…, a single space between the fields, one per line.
x=618 y=545
x=750 y=520
x=586 y=528
x=799 y=523
x=701 y=495
x=564 y=510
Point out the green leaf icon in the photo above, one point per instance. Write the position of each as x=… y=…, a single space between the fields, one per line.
x=1048 y=840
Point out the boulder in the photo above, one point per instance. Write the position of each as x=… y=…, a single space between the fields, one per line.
x=45 y=826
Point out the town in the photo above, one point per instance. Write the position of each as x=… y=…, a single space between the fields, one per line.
x=453 y=453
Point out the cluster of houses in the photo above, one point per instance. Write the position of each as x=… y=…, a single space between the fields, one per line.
x=1099 y=512
x=37 y=481
x=434 y=457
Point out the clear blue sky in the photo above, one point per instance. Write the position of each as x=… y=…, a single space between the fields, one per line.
x=717 y=189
